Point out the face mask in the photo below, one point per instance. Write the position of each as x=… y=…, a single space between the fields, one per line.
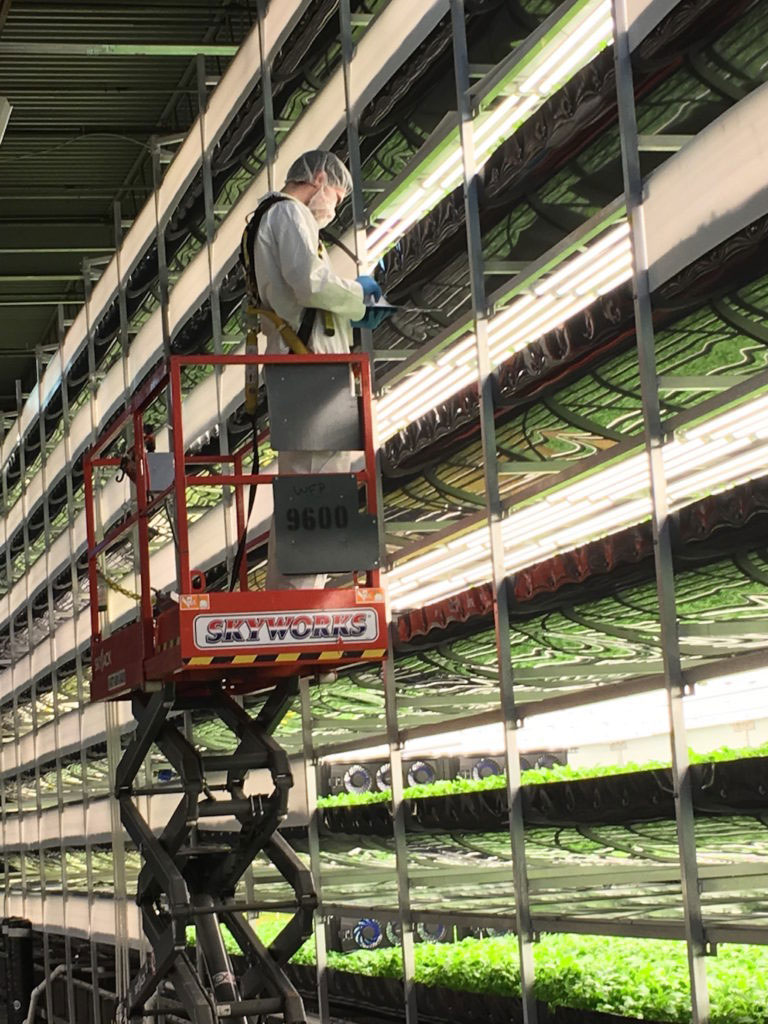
x=323 y=205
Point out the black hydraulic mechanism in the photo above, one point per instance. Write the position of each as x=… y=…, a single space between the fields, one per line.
x=190 y=873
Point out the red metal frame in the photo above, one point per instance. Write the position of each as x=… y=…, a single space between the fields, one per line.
x=245 y=639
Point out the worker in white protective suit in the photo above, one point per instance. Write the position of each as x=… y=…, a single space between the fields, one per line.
x=295 y=281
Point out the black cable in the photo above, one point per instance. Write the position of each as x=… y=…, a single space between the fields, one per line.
x=239 y=554
x=171 y=524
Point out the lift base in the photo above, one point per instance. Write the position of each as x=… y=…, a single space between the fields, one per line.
x=190 y=874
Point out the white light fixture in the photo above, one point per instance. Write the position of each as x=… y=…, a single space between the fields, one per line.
x=726 y=701
x=570 y=47
x=582 y=278
x=714 y=456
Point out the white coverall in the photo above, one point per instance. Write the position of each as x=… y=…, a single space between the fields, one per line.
x=294 y=273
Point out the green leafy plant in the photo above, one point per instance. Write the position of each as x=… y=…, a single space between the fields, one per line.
x=646 y=979
x=640 y=978
x=267 y=927
x=534 y=776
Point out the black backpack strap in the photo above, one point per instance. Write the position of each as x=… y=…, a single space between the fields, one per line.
x=248 y=240
x=248 y=259
x=306 y=325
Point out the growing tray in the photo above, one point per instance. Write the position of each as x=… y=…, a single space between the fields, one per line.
x=719 y=788
x=367 y=1000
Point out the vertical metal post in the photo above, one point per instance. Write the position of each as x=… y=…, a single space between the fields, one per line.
x=33 y=705
x=122 y=951
x=665 y=580
x=353 y=142
x=122 y=300
x=114 y=741
x=65 y=418
x=398 y=823
x=93 y=407
x=53 y=662
x=162 y=257
x=162 y=280
x=266 y=93
x=25 y=533
x=13 y=746
x=3 y=801
x=122 y=305
x=313 y=837
x=180 y=488
x=495 y=515
x=14 y=688
x=208 y=197
x=388 y=666
x=214 y=293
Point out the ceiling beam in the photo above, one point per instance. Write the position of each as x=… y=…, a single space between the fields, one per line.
x=49 y=222
x=21 y=250
x=56 y=92
x=58 y=197
x=51 y=128
x=188 y=78
x=44 y=301
x=34 y=278
x=35 y=48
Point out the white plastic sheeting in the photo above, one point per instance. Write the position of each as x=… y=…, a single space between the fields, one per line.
x=100 y=918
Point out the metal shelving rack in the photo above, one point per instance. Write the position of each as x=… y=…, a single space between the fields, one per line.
x=76 y=915
x=700 y=942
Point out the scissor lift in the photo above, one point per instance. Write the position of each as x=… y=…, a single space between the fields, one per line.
x=191 y=649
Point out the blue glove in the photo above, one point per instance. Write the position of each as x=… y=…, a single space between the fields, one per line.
x=373 y=318
x=371 y=289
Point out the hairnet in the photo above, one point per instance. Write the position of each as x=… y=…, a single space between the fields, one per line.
x=305 y=169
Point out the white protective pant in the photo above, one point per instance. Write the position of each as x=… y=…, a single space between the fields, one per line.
x=289 y=463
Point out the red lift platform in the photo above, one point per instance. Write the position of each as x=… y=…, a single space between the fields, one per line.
x=191 y=649
x=242 y=639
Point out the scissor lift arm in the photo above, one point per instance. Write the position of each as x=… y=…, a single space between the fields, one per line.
x=188 y=878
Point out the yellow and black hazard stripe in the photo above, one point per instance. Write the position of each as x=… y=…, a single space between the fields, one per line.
x=238 y=660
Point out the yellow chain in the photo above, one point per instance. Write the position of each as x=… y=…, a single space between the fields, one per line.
x=114 y=585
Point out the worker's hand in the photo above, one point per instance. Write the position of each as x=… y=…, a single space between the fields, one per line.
x=374 y=318
x=371 y=289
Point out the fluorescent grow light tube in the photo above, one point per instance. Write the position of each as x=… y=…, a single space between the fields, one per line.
x=728 y=700
x=727 y=450
x=572 y=43
x=606 y=263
